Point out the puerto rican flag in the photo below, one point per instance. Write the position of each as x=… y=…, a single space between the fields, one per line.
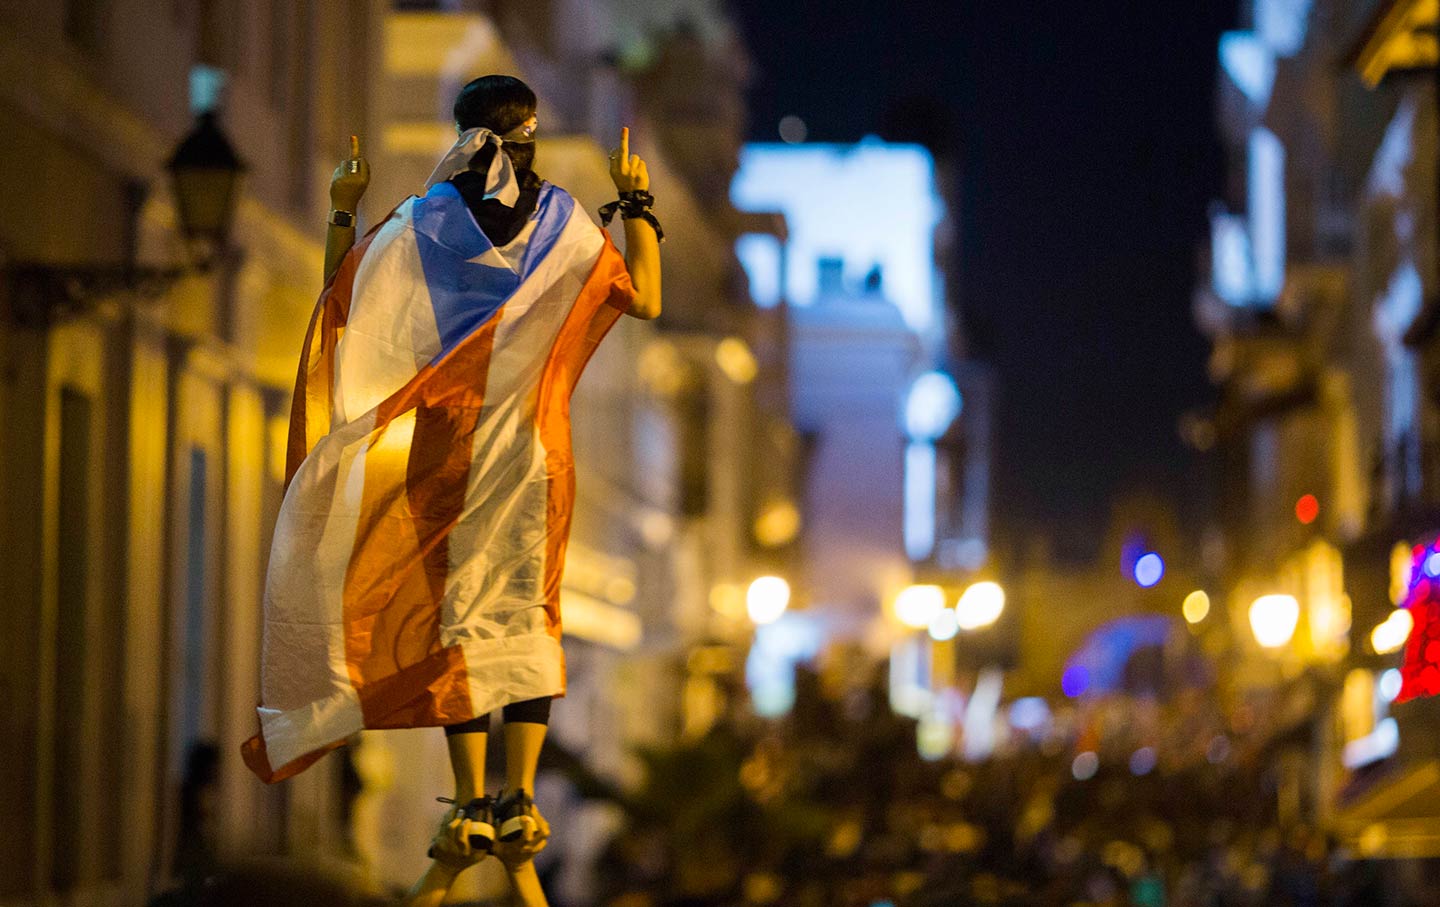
x=414 y=578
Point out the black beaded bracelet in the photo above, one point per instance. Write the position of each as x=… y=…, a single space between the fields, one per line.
x=635 y=203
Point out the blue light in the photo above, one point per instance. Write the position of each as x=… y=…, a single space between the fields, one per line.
x=1142 y=761
x=1148 y=569
x=1231 y=271
x=920 y=490
x=932 y=404
x=1266 y=194
x=1391 y=681
x=1029 y=714
x=1432 y=564
x=1249 y=64
x=1075 y=681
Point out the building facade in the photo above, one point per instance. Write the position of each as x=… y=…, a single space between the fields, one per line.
x=1319 y=303
x=144 y=439
x=141 y=449
x=895 y=424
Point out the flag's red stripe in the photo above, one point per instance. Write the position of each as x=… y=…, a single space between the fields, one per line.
x=606 y=295
x=310 y=406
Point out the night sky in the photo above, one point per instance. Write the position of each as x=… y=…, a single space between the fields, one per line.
x=1085 y=141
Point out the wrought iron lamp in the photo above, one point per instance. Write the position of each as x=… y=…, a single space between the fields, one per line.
x=205 y=175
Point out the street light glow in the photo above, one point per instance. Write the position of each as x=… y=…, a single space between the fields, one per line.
x=944 y=626
x=1273 y=619
x=767 y=598
x=917 y=606
x=980 y=605
x=1391 y=634
x=1196 y=606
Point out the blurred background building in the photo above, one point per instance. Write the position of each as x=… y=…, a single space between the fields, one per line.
x=1320 y=306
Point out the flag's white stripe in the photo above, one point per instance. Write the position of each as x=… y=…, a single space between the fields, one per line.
x=391 y=332
x=304 y=604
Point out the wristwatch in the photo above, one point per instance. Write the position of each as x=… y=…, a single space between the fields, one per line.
x=342 y=218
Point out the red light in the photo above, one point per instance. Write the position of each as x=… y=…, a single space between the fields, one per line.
x=1307 y=509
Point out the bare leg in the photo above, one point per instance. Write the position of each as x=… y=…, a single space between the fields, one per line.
x=467 y=761
x=523 y=740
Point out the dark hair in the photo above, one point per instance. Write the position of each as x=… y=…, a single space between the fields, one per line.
x=499 y=103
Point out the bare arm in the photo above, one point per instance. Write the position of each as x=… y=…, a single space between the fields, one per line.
x=642 y=246
x=347 y=185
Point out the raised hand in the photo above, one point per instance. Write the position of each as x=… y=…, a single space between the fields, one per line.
x=350 y=179
x=627 y=170
x=515 y=854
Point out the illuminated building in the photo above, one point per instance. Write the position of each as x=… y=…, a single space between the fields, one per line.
x=898 y=424
x=143 y=442
x=144 y=439
x=1319 y=304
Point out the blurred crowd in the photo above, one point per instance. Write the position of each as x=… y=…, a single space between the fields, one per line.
x=834 y=806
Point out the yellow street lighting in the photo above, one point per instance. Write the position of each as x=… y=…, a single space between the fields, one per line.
x=980 y=605
x=767 y=598
x=944 y=626
x=1196 y=606
x=1391 y=634
x=917 y=606
x=1273 y=619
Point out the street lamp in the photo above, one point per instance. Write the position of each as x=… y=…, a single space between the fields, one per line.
x=767 y=598
x=1273 y=619
x=980 y=605
x=205 y=174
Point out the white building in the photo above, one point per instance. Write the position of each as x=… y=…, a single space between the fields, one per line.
x=896 y=476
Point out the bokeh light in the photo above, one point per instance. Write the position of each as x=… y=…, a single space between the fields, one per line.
x=1432 y=565
x=1390 y=682
x=1075 y=681
x=767 y=598
x=1084 y=766
x=917 y=606
x=980 y=605
x=1273 y=619
x=1030 y=713
x=1149 y=568
x=1391 y=633
x=944 y=626
x=792 y=130
x=1142 y=761
x=1196 y=606
x=931 y=405
x=1307 y=509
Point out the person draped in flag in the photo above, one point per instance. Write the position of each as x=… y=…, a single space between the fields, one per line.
x=414 y=578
